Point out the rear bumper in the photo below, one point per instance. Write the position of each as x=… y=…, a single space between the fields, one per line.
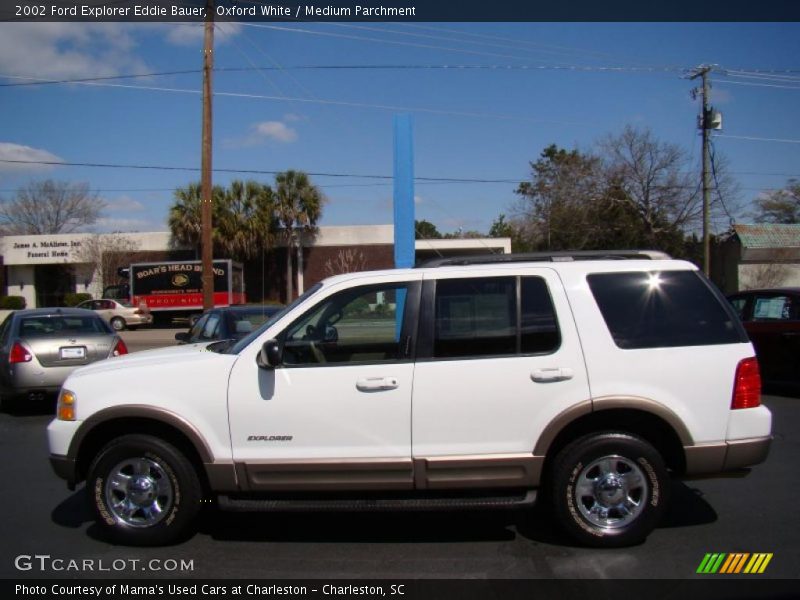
x=709 y=460
x=32 y=376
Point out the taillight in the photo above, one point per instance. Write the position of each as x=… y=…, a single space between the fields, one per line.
x=19 y=354
x=747 y=385
x=119 y=349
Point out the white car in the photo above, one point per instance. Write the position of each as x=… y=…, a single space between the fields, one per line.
x=465 y=384
x=120 y=316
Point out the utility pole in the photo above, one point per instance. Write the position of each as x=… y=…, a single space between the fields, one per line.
x=704 y=123
x=205 y=177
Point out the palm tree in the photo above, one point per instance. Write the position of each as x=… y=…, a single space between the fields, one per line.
x=184 y=215
x=247 y=222
x=298 y=207
x=243 y=219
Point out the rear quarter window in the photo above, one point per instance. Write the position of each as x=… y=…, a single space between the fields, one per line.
x=664 y=309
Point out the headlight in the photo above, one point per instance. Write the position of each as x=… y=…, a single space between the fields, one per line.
x=65 y=410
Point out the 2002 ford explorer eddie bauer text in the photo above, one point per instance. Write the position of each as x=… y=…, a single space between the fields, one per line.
x=587 y=379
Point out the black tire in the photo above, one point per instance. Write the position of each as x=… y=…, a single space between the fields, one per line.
x=166 y=480
x=609 y=489
x=118 y=324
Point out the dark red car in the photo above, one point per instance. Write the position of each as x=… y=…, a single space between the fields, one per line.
x=772 y=320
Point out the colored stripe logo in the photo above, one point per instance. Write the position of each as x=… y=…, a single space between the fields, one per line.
x=734 y=563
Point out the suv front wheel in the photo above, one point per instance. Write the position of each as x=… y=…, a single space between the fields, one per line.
x=143 y=491
x=609 y=489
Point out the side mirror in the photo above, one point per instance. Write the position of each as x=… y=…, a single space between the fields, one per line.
x=270 y=355
x=182 y=337
x=331 y=334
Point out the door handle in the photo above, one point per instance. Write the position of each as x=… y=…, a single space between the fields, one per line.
x=377 y=384
x=552 y=375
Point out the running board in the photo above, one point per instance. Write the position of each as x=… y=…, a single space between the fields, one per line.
x=256 y=504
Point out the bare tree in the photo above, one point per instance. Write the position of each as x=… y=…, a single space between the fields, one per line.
x=657 y=181
x=765 y=275
x=50 y=207
x=768 y=274
x=104 y=254
x=652 y=176
x=780 y=206
x=346 y=261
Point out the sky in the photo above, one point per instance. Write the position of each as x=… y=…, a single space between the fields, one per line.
x=321 y=97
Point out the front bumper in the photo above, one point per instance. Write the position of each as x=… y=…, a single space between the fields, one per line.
x=64 y=467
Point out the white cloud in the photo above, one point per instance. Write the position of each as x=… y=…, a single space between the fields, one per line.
x=294 y=117
x=9 y=151
x=107 y=225
x=67 y=50
x=124 y=204
x=192 y=34
x=418 y=200
x=275 y=130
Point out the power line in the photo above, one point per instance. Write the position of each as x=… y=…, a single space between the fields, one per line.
x=387 y=178
x=37 y=81
x=774 y=78
x=338 y=103
x=713 y=154
x=380 y=40
x=757 y=139
x=32 y=81
x=553 y=48
x=754 y=84
x=454 y=67
x=451 y=39
x=248 y=171
x=790 y=74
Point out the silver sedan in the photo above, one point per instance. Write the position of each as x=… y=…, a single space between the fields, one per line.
x=39 y=347
x=119 y=316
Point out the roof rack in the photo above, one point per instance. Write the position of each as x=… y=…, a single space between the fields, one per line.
x=565 y=256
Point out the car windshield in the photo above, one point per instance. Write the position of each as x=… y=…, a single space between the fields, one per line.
x=245 y=341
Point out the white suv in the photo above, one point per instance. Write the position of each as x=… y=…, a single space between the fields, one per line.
x=588 y=378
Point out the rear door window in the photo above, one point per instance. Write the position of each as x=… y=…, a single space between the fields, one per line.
x=476 y=317
x=664 y=309
x=494 y=316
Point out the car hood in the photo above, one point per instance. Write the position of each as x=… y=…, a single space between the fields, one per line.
x=146 y=358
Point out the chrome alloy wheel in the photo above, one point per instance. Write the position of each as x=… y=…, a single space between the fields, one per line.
x=611 y=492
x=139 y=492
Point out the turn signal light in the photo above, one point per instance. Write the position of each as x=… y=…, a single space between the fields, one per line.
x=19 y=354
x=747 y=385
x=66 y=406
x=119 y=349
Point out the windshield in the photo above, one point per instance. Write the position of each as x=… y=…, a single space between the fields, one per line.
x=245 y=341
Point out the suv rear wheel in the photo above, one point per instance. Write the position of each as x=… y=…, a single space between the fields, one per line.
x=143 y=491
x=609 y=489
